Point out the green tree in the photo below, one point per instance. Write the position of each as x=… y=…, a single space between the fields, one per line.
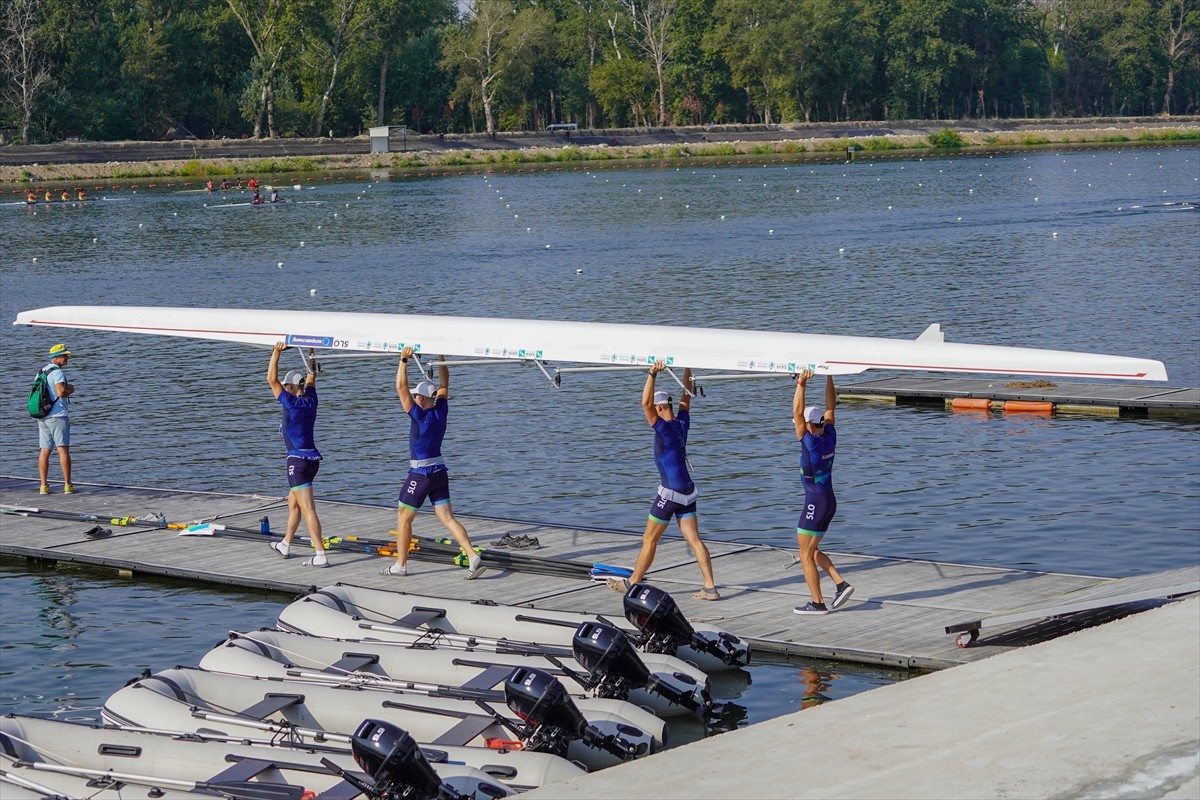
x=495 y=50
x=263 y=23
x=22 y=60
x=392 y=25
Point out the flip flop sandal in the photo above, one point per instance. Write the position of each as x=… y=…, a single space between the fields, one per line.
x=97 y=532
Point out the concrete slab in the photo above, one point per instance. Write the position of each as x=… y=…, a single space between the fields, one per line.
x=1112 y=711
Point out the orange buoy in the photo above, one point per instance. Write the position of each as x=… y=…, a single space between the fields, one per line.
x=971 y=404
x=1028 y=407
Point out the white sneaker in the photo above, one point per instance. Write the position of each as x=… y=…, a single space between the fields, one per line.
x=475 y=568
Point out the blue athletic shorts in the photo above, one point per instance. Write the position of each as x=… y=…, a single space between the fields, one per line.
x=661 y=510
x=301 y=471
x=54 y=432
x=435 y=486
x=817 y=514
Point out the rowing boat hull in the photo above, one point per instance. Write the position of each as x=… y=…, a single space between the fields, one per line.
x=595 y=343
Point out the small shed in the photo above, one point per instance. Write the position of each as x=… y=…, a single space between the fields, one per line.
x=381 y=137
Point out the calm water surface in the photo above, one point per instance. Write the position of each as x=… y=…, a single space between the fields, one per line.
x=1075 y=251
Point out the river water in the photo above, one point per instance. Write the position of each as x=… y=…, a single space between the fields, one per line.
x=1082 y=250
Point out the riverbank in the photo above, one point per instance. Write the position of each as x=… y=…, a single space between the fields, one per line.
x=68 y=162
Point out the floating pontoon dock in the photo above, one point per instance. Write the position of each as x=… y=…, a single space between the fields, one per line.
x=1087 y=398
x=900 y=614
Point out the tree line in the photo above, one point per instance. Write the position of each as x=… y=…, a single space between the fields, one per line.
x=144 y=69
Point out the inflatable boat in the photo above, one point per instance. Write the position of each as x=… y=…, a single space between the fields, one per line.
x=654 y=623
x=605 y=733
x=615 y=669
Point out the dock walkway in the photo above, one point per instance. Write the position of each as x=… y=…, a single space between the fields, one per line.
x=898 y=615
x=1086 y=398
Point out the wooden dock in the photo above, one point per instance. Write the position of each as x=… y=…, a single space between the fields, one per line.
x=898 y=615
x=1087 y=398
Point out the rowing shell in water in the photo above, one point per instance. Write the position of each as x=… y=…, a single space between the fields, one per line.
x=268 y=203
x=597 y=343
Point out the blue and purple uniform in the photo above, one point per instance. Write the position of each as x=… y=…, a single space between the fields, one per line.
x=427 y=475
x=676 y=492
x=816 y=473
x=296 y=428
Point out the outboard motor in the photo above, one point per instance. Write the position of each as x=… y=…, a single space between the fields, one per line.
x=615 y=668
x=399 y=767
x=656 y=614
x=541 y=701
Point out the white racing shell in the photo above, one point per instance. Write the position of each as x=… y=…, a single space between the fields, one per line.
x=595 y=343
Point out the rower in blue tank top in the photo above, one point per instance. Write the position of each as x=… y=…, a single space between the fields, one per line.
x=818 y=443
x=297 y=394
x=676 y=496
x=427 y=407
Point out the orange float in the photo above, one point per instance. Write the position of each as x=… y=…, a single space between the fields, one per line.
x=971 y=404
x=1028 y=407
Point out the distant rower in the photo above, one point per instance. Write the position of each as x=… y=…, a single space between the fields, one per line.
x=274 y=195
x=30 y=197
x=211 y=187
x=65 y=196
x=82 y=194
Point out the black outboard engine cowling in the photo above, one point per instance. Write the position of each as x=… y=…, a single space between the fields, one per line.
x=610 y=658
x=538 y=698
x=393 y=758
x=665 y=629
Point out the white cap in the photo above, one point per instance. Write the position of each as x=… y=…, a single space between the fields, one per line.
x=293 y=377
x=814 y=415
x=426 y=389
x=661 y=398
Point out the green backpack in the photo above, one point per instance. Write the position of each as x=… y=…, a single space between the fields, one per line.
x=40 y=401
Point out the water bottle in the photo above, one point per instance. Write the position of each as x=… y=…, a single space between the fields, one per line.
x=264 y=526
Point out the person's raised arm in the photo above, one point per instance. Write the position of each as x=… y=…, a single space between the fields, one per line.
x=443 y=378
x=310 y=363
x=798 y=403
x=830 y=399
x=402 y=390
x=685 y=402
x=648 y=393
x=273 y=369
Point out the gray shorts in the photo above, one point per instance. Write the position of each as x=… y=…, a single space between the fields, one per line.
x=54 y=432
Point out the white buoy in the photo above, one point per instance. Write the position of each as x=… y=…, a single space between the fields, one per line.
x=547 y=247
x=95 y=240
x=302 y=244
x=312 y=292
x=35 y=259
x=279 y=265
x=771 y=232
x=841 y=249
x=1054 y=235
x=722 y=216
x=527 y=230
x=139 y=224
x=578 y=272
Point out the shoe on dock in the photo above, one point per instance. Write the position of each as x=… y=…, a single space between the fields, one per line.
x=475 y=568
x=811 y=608
x=68 y=488
x=707 y=593
x=841 y=596
x=279 y=551
x=44 y=490
x=313 y=562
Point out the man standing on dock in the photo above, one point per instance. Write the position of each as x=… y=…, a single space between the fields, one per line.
x=818 y=440
x=54 y=430
x=677 y=493
x=427 y=475
x=298 y=396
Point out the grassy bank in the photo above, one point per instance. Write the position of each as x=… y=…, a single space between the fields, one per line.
x=945 y=141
